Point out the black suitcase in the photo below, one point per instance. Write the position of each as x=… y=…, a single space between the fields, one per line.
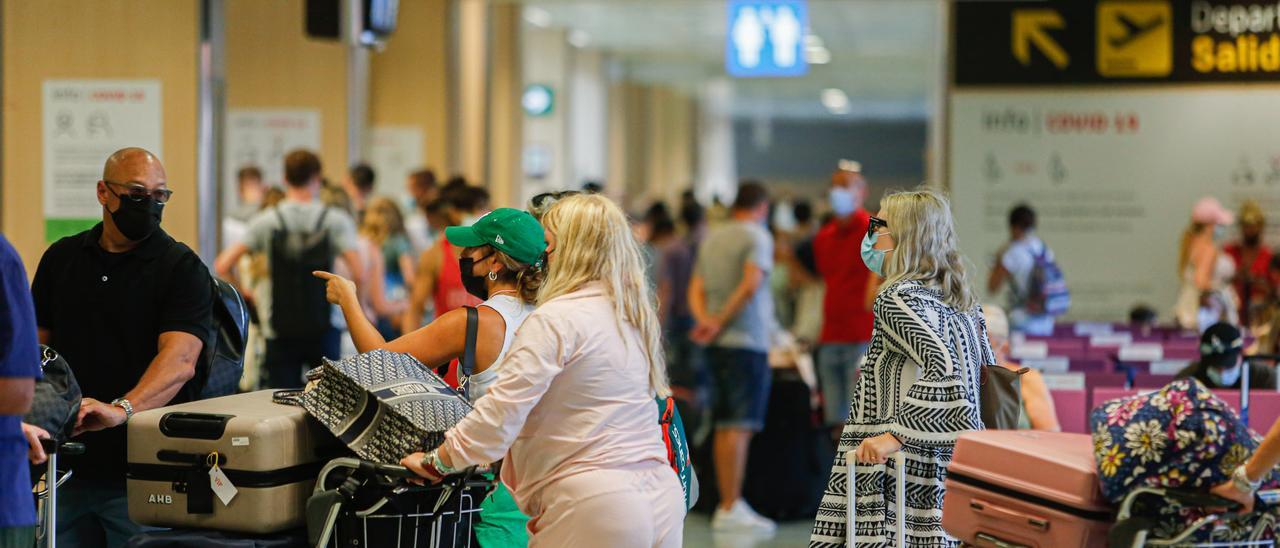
x=198 y=538
x=788 y=462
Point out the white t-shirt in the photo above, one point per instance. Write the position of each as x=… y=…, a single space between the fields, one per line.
x=1020 y=261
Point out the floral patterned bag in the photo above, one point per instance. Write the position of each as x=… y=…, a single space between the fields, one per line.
x=1181 y=436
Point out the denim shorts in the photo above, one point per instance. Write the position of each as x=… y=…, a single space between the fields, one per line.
x=837 y=366
x=740 y=387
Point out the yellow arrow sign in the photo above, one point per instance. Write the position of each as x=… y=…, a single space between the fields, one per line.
x=1030 y=26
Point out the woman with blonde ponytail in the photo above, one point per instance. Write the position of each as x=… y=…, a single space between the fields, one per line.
x=573 y=410
x=919 y=385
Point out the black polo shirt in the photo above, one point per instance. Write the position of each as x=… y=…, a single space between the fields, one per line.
x=105 y=313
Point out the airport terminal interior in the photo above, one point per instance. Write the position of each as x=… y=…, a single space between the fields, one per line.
x=631 y=273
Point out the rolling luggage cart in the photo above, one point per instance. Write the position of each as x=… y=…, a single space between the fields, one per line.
x=47 y=495
x=360 y=503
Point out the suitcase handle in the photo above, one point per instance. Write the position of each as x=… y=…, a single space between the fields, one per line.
x=1008 y=514
x=200 y=426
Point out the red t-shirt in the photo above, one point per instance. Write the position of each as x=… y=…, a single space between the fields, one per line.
x=1258 y=270
x=451 y=294
x=837 y=250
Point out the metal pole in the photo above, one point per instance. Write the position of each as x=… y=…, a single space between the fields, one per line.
x=212 y=105
x=51 y=500
x=357 y=80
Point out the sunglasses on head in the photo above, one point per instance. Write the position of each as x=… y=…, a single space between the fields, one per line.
x=546 y=199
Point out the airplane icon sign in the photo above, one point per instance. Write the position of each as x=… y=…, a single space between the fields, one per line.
x=1134 y=30
x=1135 y=39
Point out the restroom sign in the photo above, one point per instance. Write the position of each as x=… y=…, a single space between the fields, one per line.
x=765 y=38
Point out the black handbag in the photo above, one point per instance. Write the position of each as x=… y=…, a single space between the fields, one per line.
x=57 y=397
x=1001 y=397
x=383 y=405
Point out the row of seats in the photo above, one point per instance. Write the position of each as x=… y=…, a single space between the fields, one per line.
x=1073 y=405
x=1086 y=364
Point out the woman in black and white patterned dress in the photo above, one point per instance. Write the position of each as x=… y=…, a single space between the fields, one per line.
x=919 y=386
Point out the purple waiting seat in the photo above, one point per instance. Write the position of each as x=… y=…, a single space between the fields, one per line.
x=1071 y=406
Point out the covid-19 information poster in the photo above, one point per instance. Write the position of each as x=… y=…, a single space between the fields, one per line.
x=84 y=121
x=1112 y=174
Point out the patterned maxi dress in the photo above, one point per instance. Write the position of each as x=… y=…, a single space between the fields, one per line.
x=921 y=382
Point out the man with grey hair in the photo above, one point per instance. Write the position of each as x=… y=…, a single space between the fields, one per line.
x=129 y=308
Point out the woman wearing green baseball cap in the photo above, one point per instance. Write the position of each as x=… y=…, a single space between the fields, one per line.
x=573 y=413
x=502 y=262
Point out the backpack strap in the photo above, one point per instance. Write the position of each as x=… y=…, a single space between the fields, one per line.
x=280 y=216
x=320 y=219
x=467 y=364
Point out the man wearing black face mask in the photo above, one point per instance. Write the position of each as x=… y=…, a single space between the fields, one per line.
x=128 y=307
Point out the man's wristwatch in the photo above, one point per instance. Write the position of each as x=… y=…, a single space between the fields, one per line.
x=124 y=404
x=1240 y=478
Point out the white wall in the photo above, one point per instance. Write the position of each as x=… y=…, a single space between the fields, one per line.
x=546 y=60
x=1113 y=199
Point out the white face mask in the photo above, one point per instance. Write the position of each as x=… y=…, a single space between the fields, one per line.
x=1225 y=377
x=843 y=201
x=783 y=217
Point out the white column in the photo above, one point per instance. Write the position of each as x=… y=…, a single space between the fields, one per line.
x=587 y=109
x=717 y=168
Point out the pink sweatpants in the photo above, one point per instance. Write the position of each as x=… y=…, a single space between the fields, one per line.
x=641 y=508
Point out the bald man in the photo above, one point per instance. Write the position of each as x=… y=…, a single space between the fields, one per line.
x=129 y=308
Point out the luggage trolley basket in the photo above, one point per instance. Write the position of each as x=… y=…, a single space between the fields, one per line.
x=46 y=490
x=1135 y=519
x=360 y=503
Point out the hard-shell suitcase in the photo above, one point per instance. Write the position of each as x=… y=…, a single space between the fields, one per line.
x=1025 y=488
x=270 y=452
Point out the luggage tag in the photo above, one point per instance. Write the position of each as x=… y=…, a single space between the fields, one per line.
x=219 y=482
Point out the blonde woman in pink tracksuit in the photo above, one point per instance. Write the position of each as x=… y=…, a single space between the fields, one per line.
x=573 y=411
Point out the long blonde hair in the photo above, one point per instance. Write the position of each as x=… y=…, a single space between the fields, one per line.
x=925 y=246
x=1184 y=249
x=382 y=220
x=593 y=242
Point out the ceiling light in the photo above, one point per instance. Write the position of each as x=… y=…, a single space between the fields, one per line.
x=817 y=56
x=537 y=17
x=835 y=101
x=815 y=50
x=579 y=38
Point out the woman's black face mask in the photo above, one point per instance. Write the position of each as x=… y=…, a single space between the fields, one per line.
x=473 y=283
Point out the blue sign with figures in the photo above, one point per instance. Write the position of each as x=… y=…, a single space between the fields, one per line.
x=765 y=38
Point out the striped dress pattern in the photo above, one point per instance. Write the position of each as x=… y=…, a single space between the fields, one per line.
x=921 y=382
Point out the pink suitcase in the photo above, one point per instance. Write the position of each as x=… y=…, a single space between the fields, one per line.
x=1025 y=488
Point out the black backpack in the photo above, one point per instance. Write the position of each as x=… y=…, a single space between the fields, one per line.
x=299 y=309
x=222 y=358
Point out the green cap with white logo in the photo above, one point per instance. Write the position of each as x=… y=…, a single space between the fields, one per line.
x=511 y=231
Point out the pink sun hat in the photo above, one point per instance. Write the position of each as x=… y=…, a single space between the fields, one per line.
x=1210 y=212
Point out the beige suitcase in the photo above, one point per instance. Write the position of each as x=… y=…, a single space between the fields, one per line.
x=270 y=452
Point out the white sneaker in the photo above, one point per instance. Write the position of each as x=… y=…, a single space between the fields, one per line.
x=741 y=518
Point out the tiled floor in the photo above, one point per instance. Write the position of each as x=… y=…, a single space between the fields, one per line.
x=698 y=534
